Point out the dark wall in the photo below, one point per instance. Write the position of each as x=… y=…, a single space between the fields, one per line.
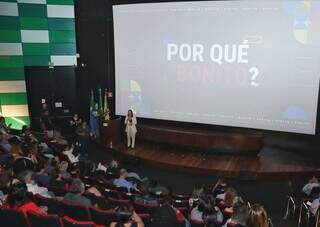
x=54 y=85
x=95 y=46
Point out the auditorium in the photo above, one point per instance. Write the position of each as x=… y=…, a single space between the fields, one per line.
x=159 y=113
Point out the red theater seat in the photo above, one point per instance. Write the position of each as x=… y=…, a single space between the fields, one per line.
x=103 y=217
x=109 y=193
x=13 y=217
x=37 y=220
x=231 y=224
x=180 y=203
x=52 y=204
x=195 y=223
x=70 y=222
x=180 y=197
x=144 y=208
x=118 y=202
x=77 y=212
x=146 y=218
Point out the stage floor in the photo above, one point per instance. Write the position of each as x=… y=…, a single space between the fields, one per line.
x=270 y=163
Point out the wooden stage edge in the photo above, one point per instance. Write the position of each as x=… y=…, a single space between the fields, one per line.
x=269 y=164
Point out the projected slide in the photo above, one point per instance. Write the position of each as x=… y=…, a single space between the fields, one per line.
x=252 y=64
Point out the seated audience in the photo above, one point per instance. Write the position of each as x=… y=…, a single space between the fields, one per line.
x=315 y=197
x=71 y=156
x=18 y=199
x=197 y=192
x=127 y=217
x=58 y=138
x=32 y=186
x=5 y=148
x=63 y=170
x=229 y=197
x=75 y=195
x=312 y=183
x=20 y=162
x=27 y=136
x=257 y=217
x=122 y=181
x=206 y=211
x=3 y=126
x=240 y=213
x=219 y=189
x=165 y=215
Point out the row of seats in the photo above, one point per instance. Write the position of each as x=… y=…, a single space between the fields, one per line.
x=81 y=213
x=16 y=218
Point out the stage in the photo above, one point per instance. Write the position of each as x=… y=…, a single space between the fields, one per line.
x=270 y=163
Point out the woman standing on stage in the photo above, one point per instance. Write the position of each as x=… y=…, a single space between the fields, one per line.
x=131 y=129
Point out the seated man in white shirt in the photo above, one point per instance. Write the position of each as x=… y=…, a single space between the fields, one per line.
x=32 y=186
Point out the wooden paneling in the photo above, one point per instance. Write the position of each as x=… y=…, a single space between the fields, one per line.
x=270 y=163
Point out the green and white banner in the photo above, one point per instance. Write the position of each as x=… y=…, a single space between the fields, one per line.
x=32 y=33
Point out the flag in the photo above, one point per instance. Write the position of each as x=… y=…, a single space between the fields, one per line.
x=100 y=101
x=106 y=111
x=91 y=99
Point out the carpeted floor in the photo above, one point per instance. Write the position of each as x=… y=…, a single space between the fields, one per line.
x=270 y=193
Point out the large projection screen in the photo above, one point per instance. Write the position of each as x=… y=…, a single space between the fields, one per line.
x=251 y=64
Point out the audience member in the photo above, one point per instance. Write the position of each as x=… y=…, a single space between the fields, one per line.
x=219 y=189
x=94 y=121
x=230 y=195
x=18 y=199
x=257 y=216
x=127 y=217
x=165 y=215
x=32 y=186
x=75 y=194
x=45 y=121
x=312 y=183
x=240 y=213
x=122 y=182
x=20 y=162
x=83 y=134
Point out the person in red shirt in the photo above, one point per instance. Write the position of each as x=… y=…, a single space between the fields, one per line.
x=17 y=199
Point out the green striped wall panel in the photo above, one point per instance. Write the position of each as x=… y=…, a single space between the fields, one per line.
x=9 y=9
x=13 y=98
x=32 y=10
x=63 y=49
x=33 y=17
x=33 y=23
x=18 y=122
x=62 y=36
x=35 y=49
x=36 y=60
x=60 y=2
x=11 y=74
x=9 y=23
x=10 y=36
x=61 y=24
x=11 y=61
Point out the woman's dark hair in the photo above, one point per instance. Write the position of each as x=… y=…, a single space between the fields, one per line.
x=18 y=194
x=240 y=211
x=167 y=201
x=124 y=214
x=5 y=179
x=131 y=112
x=164 y=216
